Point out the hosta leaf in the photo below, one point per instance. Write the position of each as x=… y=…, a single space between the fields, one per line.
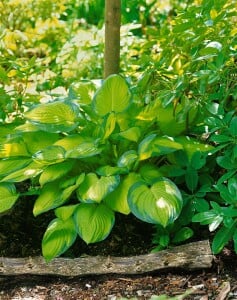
x=109 y=170
x=72 y=141
x=65 y=212
x=56 y=171
x=132 y=134
x=113 y=96
x=8 y=196
x=150 y=173
x=31 y=170
x=53 y=195
x=94 y=222
x=118 y=199
x=94 y=189
x=8 y=166
x=54 y=116
x=50 y=155
x=58 y=237
x=38 y=140
x=16 y=147
x=159 y=204
x=154 y=145
x=128 y=159
x=84 y=150
x=109 y=125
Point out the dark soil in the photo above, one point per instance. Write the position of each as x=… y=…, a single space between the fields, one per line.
x=21 y=234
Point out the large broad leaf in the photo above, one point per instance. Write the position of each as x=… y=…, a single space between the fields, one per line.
x=150 y=173
x=109 y=170
x=8 y=166
x=8 y=196
x=94 y=189
x=50 y=155
x=59 y=236
x=38 y=140
x=160 y=203
x=55 y=116
x=54 y=194
x=113 y=96
x=109 y=125
x=84 y=150
x=154 y=145
x=128 y=159
x=72 y=141
x=118 y=199
x=30 y=171
x=56 y=171
x=132 y=134
x=65 y=212
x=94 y=221
x=13 y=147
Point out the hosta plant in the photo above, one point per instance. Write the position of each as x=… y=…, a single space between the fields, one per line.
x=88 y=156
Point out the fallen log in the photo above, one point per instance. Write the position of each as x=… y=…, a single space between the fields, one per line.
x=191 y=256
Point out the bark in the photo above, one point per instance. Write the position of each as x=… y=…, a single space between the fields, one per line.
x=188 y=257
x=112 y=37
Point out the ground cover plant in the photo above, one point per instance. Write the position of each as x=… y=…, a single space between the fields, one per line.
x=157 y=141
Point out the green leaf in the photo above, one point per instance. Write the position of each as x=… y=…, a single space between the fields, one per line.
x=159 y=204
x=93 y=221
x=39 y=140
x=191 y=179
x=118 y=199
x=109 y=170
x=128 y=159
x=132 y=134
x=154 y=145
x=84 y=150
x=65 y=212
x=205 y=217
x=183 y=234
x=233 y=127
x=56 y=171
x=113 y=96
x=8 y=196
x=58 y=237
x=222 y=237
x=53 y=195
x=72 y=141
x=54 y=116
x=29 y=171
x=94 y=189
x=109 y=125
x=13 y=148
x=150 y=173
x=49 y=155
x=8 y=166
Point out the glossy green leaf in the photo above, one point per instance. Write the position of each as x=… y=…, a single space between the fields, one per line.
x=58 y=237
x=8 y=166
x=118 y=199
x=54 y=116
x=13 y=148
x=84 y=150
x=160 y=203
x=50 y=155
x=109 y=170
x=128 y=159
x=109 y=125
x=113 y=96
x=29 y=171
x=94 y=222
x=8 y=196
x=132 y=134
x=233 y=126
x=39 y=140
x=56 y=171
x=222 y=237
x=150 y=173
x=65 y=212
x=53 y=195
x=71 y=142
x=183 y=234
x=94 y=189
x=154 y=145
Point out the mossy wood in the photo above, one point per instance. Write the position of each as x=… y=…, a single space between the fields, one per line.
x=191 y=256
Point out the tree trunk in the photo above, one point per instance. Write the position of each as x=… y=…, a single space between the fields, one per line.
x=112 y=37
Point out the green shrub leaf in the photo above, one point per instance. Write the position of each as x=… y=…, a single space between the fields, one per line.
x=8 y=196
x=113 y=96
x=93 y=221
x=160 y=203
x=94 y=189
x=49 y=155
x=59 y=236
x=54 y=116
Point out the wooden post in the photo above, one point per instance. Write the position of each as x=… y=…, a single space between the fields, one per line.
x=112 y=37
